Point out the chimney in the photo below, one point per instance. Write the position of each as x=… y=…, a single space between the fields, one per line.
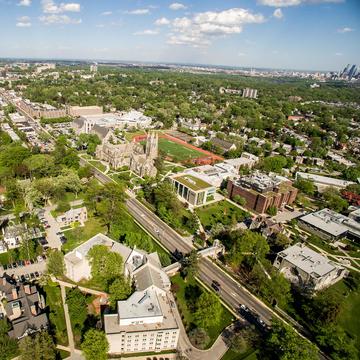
x=33 y=309
x=14 y=293
x=27 y=289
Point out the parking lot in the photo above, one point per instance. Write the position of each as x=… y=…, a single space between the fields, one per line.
x=36 y=267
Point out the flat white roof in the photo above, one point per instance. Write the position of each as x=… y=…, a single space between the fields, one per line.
x=307 y=260
x=324 y=179
x=140 y=304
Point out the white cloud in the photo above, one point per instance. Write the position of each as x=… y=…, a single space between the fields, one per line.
x=338 y=54
x=162 y=21
x=58 y=19
x=285 y=3
x=241 y=54
x=100 y=25
x=345 y=30
x=23 y=21
x=278 y=14
x=24 y=3
x=106 y=13
x=50 y=7
x=200 y=29
x=138 y=12
x=147 y=32
x=177 y=6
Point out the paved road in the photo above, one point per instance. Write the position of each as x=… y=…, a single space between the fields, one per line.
x=231 y=291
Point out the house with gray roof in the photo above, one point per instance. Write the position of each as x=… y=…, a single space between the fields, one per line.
x=23 y=306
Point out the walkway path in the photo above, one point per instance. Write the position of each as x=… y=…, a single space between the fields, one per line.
x=67 y=320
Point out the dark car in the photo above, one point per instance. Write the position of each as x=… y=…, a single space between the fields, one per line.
x=22 y=278
x=216 y=286
x=5 y=267
x=37 y=274
x=14 y=265
x=32 y=275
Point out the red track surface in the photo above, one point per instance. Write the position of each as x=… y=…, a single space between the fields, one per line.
x=208 y=158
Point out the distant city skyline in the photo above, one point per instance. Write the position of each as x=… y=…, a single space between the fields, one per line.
x=279 y=34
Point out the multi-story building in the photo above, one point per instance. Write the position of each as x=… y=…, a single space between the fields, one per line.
x=130 y=120
x=146 y=321
x=192 y=189
x=23 y=306
x=322 y=182
x=308 y=269
x=262 y=191
x=12 y=237
x=330 y=225
x=71 y=216
x=249 y=93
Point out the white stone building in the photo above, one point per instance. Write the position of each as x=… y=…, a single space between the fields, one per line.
x=308 y=269
x=145 y=321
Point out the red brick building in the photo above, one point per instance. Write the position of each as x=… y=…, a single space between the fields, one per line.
x=262 y=191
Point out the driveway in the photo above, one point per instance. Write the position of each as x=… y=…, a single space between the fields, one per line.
x=52 y=238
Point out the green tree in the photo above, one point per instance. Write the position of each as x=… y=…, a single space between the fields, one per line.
x=239 y=200
x=95 y=345
x=284 y=343
x=306 y=186
x=120 y=289
x=39 y=347
x=208 y=310
x=8 y=346
x=77 y=304
x=190 y=265
x=272 y=210
x=199 y=338
x=333 y=200
x=106 y=265
x=247 y=245
x=274 y=163
x=55 y=263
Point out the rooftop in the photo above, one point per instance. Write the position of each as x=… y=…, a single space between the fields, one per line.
x=324 y=179
x=308 y=260
x=332 y=222
x=192 y=182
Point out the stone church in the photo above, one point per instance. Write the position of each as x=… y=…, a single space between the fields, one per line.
x=132 y=155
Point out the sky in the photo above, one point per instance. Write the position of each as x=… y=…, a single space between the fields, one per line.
x=283 y=34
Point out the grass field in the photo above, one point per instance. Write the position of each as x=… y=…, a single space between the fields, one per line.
x=56 y=313
x=221 y=212
x=183 y=302
x=178 y=152
x=98 y=165
x=249 y=354
x=350 y=313
x=77 y=236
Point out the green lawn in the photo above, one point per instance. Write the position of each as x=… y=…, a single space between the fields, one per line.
x=98 y=165
x=77 y=236
x=350 y=314
x=56 y=312
x=249 y=354
x=178 y=152
x=193 y=288
x=221 y=212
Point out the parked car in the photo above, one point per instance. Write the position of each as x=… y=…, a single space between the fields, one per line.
x=39 y=258
x=27 y=277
